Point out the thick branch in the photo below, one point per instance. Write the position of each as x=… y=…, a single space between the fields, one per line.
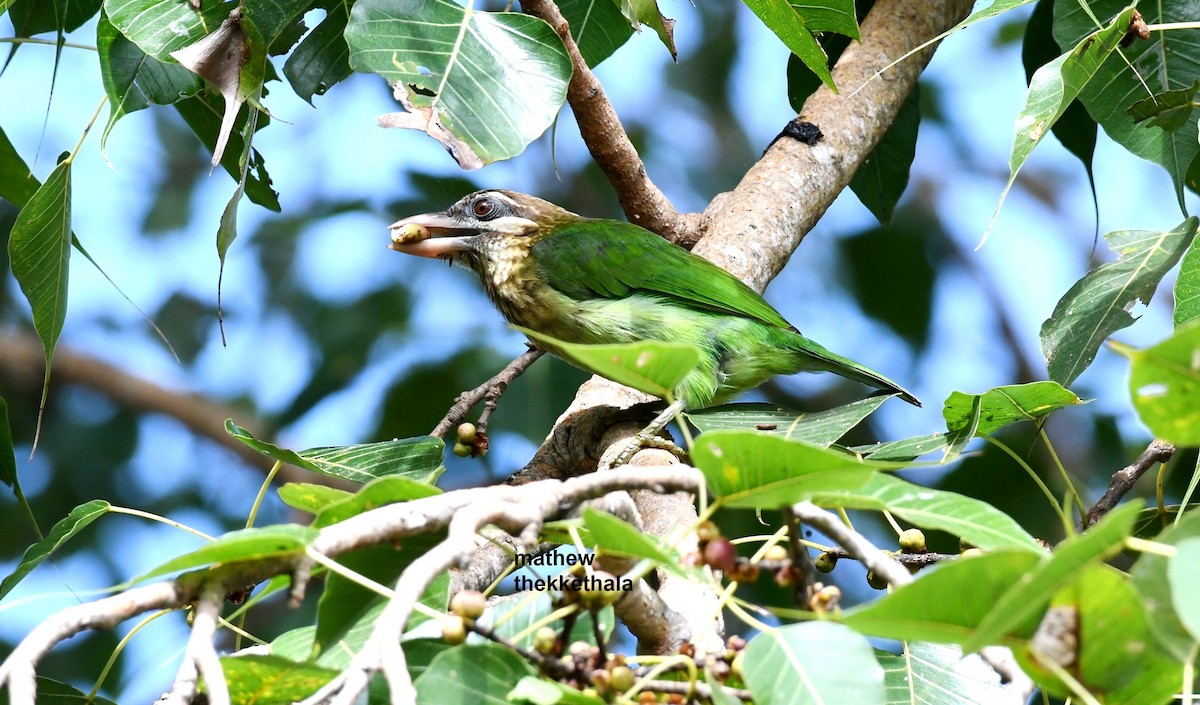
x=1124 y=479
x=610 y=146
x=755 y=228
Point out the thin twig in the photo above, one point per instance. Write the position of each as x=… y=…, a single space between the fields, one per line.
x=904 y=559
x=490 y=391
x=644 y=204
x=1123 y=480
x=697 y=689
x=802 y=563
x=857 y=545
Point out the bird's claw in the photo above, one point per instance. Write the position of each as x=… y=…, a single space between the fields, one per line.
x=643 y=440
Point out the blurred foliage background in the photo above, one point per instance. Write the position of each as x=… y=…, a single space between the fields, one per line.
x=333 y=340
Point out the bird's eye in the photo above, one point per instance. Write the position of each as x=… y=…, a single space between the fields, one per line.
x=485 y=209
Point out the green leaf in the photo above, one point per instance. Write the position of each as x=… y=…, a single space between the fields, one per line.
x=619 y=538
x=1075 y=129
x=880 y=180
x=1098 y=304
x=202 y=113
x=651 y=367
x=241 y=545
x=255 y=679
x=8 y=457
x=946 y=604
x=322 y=58
x=134 y=80
x=17 y=183
x=821 y=428
x=1187 y=288
x=1054 y=87
x=749 y=469
x=932 y=674
x=381 y=491
x=1068 y=559
x=417 y=458
x=902 y=450
x=1173 y=56
x=597 y=27
x=639 y=12
x=1170 y=110
x=1183 y=571
x=785 y=20
x=1001 y=406
x=814 y=662
x=1151 y=579
x=39 y=250
x=347 y=612
x=160 y=27
x=1164 y=382
x=484 y=84
x=538 y=691
x=472 y=675
x=510 y=618
x=979 y=523
x=52 y=692
x=310 y=498
x=67 y=527
x=32 y=17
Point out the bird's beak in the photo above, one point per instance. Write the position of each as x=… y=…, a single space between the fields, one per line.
x=447 y=236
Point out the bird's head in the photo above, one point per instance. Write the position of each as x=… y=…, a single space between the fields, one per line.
x=483 y=214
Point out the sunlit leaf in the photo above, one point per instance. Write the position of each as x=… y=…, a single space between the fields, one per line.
x=1183 y=570
x=134 y=80
x=311 y=498
x=484 y=84
x=539 y=691
x=1187 y=287
x=639 y=12
x=1150 y=577
x=1001 y=406
x=821 y=428
x=1164 y=382
x=786 y=21
x=1098 y=304
x=902 y=450
x=616 y=537
x=160 y=27
x=416 y=458
x=1165 y=62
x=932 y=674
x=242 y=545
x=813 y=662
x=979 y=523
x=751 y=469
x=381 y=491
x=254 y=679
x=1069 y=558
x=651 y=367
x=67 y=527
x=946 y=604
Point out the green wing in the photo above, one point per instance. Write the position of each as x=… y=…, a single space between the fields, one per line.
x=610 y=259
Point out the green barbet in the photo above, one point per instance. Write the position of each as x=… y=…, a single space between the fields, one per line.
x=593 y=281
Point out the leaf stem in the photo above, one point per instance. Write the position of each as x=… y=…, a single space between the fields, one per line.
x=1066 y=521
x=1191 y=488
x=47 y=42
x=86 y=130
x=160 y=519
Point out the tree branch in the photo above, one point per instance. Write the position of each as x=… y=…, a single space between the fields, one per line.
x=1124 y=479
x=609 y=144
x=855 y=543
x=489 y=391
x=22 y=364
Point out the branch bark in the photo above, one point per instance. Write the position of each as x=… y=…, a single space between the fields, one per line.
x=22 y=365
x=610 y=146
x=1123 y=480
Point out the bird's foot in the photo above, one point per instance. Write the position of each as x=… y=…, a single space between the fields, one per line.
x=648 y=439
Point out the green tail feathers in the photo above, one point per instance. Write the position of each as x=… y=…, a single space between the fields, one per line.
x=817 y=359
